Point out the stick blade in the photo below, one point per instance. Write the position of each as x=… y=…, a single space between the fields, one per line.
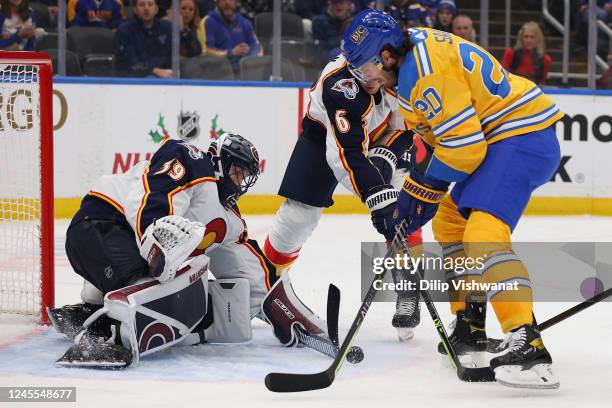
x=481 y=374
x=287 y=382
x=333 y=313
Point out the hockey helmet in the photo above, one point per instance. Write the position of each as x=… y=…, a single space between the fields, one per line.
x=236 y=166
x=366 y=37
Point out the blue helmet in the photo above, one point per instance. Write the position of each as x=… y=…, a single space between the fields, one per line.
x=368 y=34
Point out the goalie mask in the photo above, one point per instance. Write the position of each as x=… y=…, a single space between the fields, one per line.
x=236 y=167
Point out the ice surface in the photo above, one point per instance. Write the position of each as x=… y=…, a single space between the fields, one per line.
x=392 y=374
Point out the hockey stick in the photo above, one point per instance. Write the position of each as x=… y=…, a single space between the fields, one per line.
x=333 y=313
x=481 y=374
x=288 y=382
x=575 y=309
x=326 y=346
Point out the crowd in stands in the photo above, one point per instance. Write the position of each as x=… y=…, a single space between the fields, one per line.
x=228 y=29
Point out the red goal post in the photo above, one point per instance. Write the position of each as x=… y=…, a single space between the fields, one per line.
x=26 y=184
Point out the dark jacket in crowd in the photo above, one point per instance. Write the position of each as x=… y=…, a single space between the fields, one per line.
x=223 y=35
x=326 y=33
x=138 y=50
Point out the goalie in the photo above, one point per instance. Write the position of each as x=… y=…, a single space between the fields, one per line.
x=144 y=241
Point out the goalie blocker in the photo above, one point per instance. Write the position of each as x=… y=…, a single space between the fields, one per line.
x=149 y=316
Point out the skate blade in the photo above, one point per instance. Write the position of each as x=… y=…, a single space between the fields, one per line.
x=405 y=334
x=538 y=377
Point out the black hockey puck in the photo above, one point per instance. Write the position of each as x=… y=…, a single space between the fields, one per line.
x=354 y=355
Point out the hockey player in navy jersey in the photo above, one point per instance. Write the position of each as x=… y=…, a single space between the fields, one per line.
x=352 y=135
x=144 y=242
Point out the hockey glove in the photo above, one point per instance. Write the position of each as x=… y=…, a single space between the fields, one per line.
x=384 y=160
x=419 y=199
x=382 y=203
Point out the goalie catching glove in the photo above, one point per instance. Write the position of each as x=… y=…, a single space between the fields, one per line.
x=167 y=243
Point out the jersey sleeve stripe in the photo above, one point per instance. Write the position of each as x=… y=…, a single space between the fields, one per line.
x=462 y=141
x=424 y=62
x=531 y=120
x=143 y=202
x=184 y=187
x=454 y=121
x=528 y=97
x=405 y=105
x=109 y=200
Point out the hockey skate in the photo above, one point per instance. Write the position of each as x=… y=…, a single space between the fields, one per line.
x=90 y=350
x=68 y=320
x=407 y=308
x=469 y=337
x=526 y=363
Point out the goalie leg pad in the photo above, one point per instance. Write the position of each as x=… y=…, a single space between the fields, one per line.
x=155 y=316
x=284 y=310
x=231 y=311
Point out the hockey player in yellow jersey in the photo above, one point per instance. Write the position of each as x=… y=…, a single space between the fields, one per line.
x=490 y=133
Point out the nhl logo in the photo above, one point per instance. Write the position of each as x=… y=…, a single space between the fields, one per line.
x=188 y=125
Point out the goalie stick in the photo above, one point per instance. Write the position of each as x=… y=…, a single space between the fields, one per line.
x=326 y=346
x=289 y=382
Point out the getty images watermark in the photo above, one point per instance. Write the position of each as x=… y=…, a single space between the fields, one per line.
x=556 y=271
x=409 y=265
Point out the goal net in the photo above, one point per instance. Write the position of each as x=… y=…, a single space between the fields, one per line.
x=26 y=184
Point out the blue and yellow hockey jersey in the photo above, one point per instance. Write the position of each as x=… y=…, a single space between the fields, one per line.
x=459 y=99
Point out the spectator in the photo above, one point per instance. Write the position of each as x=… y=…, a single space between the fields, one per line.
x=190 y=33
x=18 y=22
x=528 y=58
x=409 y=14
x=143 y=45
x=464 y=28
x=327 y=29
x=445 y=15
x=309 y=9
x=52 y=8
x=97 y=13
x=229 y=34
x=603 y=11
